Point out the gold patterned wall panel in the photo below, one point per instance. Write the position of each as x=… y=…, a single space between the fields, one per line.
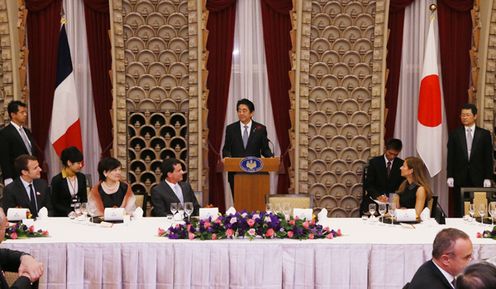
x=156 y=58
x=341 y=65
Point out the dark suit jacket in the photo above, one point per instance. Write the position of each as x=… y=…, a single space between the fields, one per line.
x=12 y=146
x=61 y=196
x=15 y=195
x=10 y=261
x=258 y=144
x=162 y=196
x=429 y=276
x=479 y=167
x=377 y=182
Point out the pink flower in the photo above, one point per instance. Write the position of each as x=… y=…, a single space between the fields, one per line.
x=44 y=233
x=13 y=235
x=305 y=225
x=206 y=224
x=290 y=234
x=229 y=233
x=311 y=236
x=250 y=222
x=329 y=236
x=296 y=218
x=191 y=236
x=188 y=227
x=292 y=222
x=479 y=235
x=214 y=236
x=269 y=233
x=251 y=232
x=217 y=221
x=31 y=229
x=161 y=231
x=339 y=233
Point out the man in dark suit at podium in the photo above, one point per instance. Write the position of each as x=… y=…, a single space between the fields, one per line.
x=245 y=138
x=470 y=156
x=383 y=175
x=15 y=140
x=172 y=190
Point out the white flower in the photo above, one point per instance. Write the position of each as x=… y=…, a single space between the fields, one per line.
x=233 y=220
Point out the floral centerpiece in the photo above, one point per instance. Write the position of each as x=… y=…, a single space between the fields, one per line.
x=251 y=225
x=490 y=234
x=21 y=231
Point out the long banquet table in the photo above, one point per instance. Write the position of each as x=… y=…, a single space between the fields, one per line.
x=368 y=255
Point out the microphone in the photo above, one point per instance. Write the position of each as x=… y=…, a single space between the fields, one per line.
x=273 y=147
x=440 y=215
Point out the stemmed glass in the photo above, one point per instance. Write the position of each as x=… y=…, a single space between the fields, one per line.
x=77 y=209
x=188 y=208
x=471 y=211
x=84 y=209
x=372 y=211
x=268 y=208
x=180 y=210
x=392 y=209
x=173 y=208
x=492 y=211
x=382 y=211
x=482 y=212
x=286 y=210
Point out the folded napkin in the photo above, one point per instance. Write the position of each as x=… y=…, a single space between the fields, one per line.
x=425 y=215
x=231 y=211
x=406 y=215
x=43 y=213
x=138 y=213
x=324 y=221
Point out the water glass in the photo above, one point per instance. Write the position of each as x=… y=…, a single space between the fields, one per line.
x=382 y=211
x=391 y=211
x=173 y=208
x=482 y=211
x=471 y=211
x=268 y=208
x=372 y=210
x=492 y=211
x=77 y=209
x=84 y=209
x=188 y=208
x=286 y=209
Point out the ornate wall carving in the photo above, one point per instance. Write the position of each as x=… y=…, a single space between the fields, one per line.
x=341 y=89
x=489 y=87
x=156 y=58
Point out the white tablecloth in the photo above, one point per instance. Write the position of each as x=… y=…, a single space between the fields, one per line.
x=78 y=255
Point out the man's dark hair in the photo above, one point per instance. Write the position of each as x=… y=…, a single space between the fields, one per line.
x=246 y=102
x=72 y=154
x=394 y=144
x=13 y=107
x=470 y=106
x=106 y=165
x=445 y=241
x=478 y=276
x=21 y=163
x=168 y=167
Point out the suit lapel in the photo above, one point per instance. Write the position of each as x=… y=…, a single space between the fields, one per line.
x=440 y=275
x=15 y=133
x=463 y=141
x=23 y=194
x=477 y=136
x=168 y=190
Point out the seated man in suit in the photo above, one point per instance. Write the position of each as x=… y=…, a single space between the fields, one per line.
x=383 y=175
x=171 y=189
x=246 y=137
x=28 y=268
x=28 y=190
x=451 y=253
x=15 y=140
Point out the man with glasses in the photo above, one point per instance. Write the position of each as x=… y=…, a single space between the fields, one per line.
x=451 y=253
x=382 y=175
x=28 y=268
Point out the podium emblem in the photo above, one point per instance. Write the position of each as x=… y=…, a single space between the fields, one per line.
x=251 y=164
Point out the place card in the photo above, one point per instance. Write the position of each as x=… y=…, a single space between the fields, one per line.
x=17 y=214
x=303 y=213
x=206 y=213
x=113 y=214
x=406 y=215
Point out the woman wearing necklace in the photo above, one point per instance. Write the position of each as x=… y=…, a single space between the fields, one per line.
x=110 y=191
x=415 y=192
x=68 y=187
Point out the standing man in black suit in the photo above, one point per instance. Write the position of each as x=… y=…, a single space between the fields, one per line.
x=28 y=190
x=15 y=140
x=171 y=189
x=245 y=138
x=470 y=156
x=28 y=268
x=451 y=253
x=382 y=175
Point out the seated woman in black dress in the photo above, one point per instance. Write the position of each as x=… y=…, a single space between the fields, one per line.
x=68 y=187
x=110 y=192
x=415 y=192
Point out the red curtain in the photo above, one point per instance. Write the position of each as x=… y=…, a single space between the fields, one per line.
x=455 y=41
x=97 y=28
x=393 y=61
x=276 y=29
x=43 y=25
x=220 y=44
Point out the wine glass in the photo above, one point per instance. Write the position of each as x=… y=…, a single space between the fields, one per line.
x=84 y=209
x=392 y=209
x=286 y=209
x=173 y=208
x=382 y=211
x=268 y=208
x=482 y=211
x=471 y=211
x=188 y=208
x=372 y=210
x=492 y=211
x=77 y=209
x=180 y=210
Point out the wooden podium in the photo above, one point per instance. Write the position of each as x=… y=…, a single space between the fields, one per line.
x=250 y=188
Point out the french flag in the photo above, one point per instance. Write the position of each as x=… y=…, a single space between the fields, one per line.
x=65 y=124
x=430 y=110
